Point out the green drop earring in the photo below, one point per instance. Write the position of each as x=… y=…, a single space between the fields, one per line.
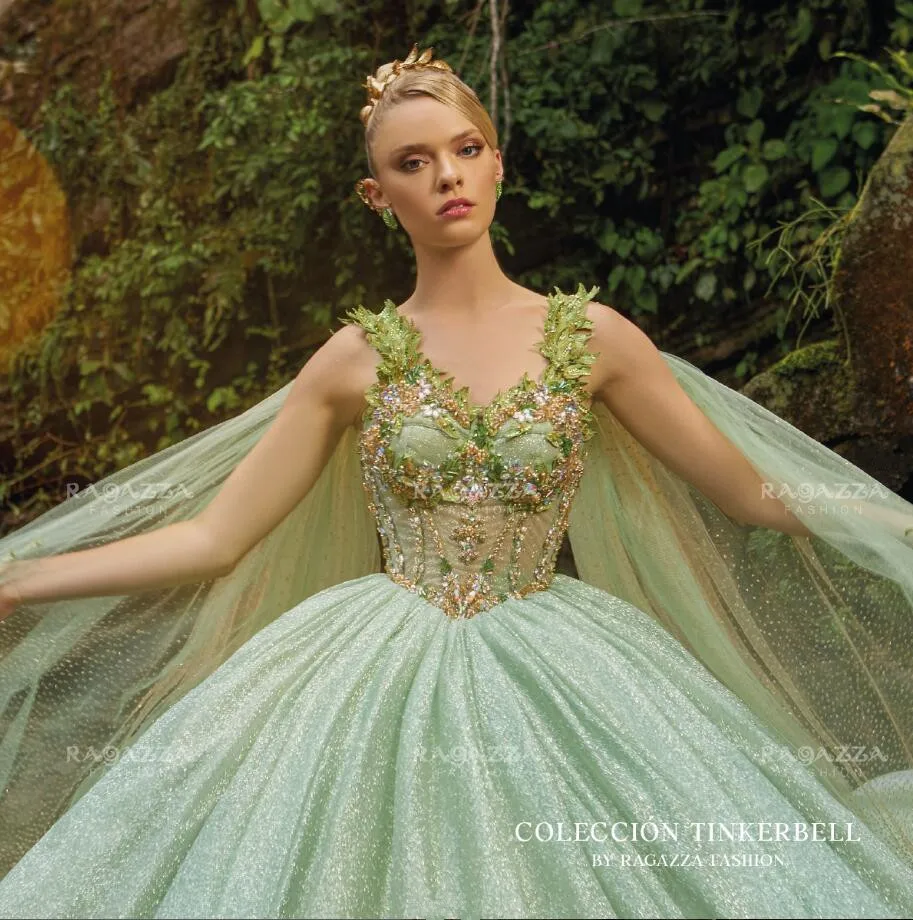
x=389 y=218
x=498 y=189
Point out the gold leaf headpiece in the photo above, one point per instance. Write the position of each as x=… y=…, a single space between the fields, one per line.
x=387 y=73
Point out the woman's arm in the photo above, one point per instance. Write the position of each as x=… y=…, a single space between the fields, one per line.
x=265 y=486
x=641 y=391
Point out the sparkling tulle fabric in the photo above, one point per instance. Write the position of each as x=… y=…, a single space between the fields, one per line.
x=468 y=733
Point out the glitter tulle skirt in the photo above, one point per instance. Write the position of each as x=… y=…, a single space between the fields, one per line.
x=365 y=755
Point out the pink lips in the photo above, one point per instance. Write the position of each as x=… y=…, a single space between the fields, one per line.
x=456 y=207
x=458 y=210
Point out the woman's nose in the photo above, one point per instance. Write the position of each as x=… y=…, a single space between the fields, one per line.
x=449 y=174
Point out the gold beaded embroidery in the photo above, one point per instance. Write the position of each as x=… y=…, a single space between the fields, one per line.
x=472 y=502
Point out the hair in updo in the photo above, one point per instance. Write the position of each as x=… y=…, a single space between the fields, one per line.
x=423 y=80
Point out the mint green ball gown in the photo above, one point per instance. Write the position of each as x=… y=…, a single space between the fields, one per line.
x=451 y=728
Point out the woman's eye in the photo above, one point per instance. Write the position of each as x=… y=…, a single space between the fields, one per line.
x=405 y=164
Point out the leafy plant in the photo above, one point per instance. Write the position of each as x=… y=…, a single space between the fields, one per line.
x=654 y=151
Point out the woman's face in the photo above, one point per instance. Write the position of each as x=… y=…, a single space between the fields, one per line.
x=426 y=154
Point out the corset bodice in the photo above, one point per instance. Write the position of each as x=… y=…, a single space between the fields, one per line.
x=471 y=503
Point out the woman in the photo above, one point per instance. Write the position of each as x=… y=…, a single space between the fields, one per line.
x=465 y=732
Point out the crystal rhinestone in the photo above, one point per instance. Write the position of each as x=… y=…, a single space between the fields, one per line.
x=475 y=492
x=474 y=513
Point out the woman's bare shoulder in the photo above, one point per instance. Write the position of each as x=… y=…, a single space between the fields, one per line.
x=619 y=343
x=609 y=332
x=344 y=367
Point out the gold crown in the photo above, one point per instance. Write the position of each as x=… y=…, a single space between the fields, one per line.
x=387 y=73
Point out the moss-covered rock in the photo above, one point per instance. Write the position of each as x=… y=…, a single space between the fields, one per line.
x=819 y=391
x=813 y=388
x=874 y=285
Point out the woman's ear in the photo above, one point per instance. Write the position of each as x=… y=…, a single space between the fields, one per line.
x=375 y=194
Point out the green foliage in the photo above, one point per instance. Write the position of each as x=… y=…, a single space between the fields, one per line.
x=808 y=264
x=277 y=17
x=662 y=145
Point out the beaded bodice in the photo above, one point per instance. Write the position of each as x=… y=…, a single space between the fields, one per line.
x=472 y=502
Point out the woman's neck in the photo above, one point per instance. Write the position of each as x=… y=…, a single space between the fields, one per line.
x=464 y=279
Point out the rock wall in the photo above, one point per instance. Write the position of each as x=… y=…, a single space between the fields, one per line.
x=141 y=40
x=861 y=403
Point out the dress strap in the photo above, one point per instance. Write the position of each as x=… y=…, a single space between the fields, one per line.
x=567 y=332
x=564 y=344
x=396 y=344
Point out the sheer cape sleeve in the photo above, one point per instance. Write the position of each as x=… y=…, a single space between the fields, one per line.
x=81 y=679
x=814 y=634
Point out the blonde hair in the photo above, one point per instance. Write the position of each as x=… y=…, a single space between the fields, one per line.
x=394 y=84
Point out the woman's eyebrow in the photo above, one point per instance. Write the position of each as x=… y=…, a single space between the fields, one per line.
x=406 y=148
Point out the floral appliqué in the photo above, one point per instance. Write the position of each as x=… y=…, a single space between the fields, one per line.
x=472 y=502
